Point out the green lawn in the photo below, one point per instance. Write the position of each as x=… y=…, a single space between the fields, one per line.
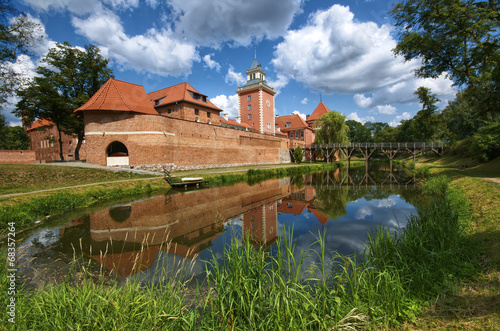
x=27 y=178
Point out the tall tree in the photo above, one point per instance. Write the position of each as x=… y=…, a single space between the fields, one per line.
x=331 y=128
x=17 y=34
x=459 y=37
x=426 y=120
x=12 y=137
x=358 y=133
x=68 y=77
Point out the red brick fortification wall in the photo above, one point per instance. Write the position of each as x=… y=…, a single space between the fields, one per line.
x=152 y=140
x=17 y=157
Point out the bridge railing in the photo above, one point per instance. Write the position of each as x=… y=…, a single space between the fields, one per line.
x=409 y=145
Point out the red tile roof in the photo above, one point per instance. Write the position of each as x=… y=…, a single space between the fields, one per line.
x=39 y=123
x=293 y=207
x=322 y=218
x=118 y=95
x=296 y=122
x=320 y=110
x=176 y=93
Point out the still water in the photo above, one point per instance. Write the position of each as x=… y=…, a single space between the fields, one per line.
x=152 y=237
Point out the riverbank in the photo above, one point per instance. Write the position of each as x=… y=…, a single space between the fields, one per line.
x=29 y=206
x=473 y=303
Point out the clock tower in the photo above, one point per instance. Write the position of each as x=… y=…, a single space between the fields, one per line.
x=256 y=101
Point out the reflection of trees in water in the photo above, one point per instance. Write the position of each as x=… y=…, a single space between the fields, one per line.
x=332 y=197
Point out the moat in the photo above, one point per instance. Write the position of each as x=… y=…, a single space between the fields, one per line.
x=150 y=238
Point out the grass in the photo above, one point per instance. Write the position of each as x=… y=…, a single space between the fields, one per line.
x=27 y=178
x=24 y=211
x=253 y=290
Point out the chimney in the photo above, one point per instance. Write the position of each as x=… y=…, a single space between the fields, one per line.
x=225 y=116
x=238 y=119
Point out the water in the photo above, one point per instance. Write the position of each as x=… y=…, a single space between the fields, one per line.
x=181 y=230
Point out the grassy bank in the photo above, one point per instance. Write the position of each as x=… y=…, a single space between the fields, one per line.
x=399 y=276
x=24 y=211
x=27 y=178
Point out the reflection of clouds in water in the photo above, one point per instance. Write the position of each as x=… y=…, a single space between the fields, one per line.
x=385 y=203
x=46 y=237
x=306 y=215
x=363 y=212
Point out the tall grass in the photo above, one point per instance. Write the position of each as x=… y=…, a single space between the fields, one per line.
x=252 y=289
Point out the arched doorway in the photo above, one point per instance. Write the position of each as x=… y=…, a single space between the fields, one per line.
x=117 y=154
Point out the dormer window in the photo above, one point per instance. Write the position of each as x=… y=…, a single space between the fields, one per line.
x=159 y=101
x=288 y=124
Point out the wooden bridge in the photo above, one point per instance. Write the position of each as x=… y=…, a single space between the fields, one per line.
x=367 y=149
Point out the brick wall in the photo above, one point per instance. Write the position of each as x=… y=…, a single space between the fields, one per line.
x=152 y=139
x=17 y=157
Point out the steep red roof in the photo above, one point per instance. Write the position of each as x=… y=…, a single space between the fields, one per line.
x=296 y=122
x=320 y=110
x=293 y=207
x=39 y=123
x=179 y=92
x=322 y=218
x=118 y=95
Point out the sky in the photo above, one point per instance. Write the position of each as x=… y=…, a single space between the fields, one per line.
x=339 y=52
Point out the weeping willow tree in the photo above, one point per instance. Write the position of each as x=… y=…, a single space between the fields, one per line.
x=331 y=128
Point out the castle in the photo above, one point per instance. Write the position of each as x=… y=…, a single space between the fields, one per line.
x=180 y=128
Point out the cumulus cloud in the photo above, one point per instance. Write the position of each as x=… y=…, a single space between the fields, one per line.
x=234 y=78
x=397 y=120
x=211 y=23
x=74 y=6
x=386 y=109
x=304 y=101
x=212 y=64
x=334 y=53
x=280 y=82
x=355 y=117
x=229 y=104
x=142 y=52
x=296 y=112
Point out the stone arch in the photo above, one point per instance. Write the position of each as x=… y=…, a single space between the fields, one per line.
x=117 y=154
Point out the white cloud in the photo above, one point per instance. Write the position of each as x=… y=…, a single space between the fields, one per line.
x=334 y=53
x=122 y=4
x=229 y=104
x=142 y=52
x=212 y=64
x=362 y=101
x=296 y=112
x=386 y=109
x=211 y=23
x=74 y=6
x=304 y=101
x=280 y=82
x=386 y=203
x=397 y=120
x=234 y=78
x=354 y=116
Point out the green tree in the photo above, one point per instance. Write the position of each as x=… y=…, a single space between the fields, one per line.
x=426 y=121
x=12 y=137
x=331 y=128
x=358 y=133
x=386 y=135
x=17 y=34
x=375 y=127
x=67 y=78
x=298 y=155
x=460 y=118
x=459 y=37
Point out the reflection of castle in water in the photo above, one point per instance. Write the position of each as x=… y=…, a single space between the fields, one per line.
x=127 y=238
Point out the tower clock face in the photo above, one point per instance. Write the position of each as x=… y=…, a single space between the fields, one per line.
x=268 y=103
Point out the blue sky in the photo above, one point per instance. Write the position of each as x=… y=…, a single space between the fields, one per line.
x=337 y=50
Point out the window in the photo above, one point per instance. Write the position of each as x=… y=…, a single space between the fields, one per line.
x=296 y=134
x=253 y=227
x=301 y=134
x=208 y=114
x=249 y=97
x=249 y=107
x=252 y=219
x=270 y=208
x=196 y=111
x=249 y=116
x=157 y=102
x=287 y=124
x=170 y=111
